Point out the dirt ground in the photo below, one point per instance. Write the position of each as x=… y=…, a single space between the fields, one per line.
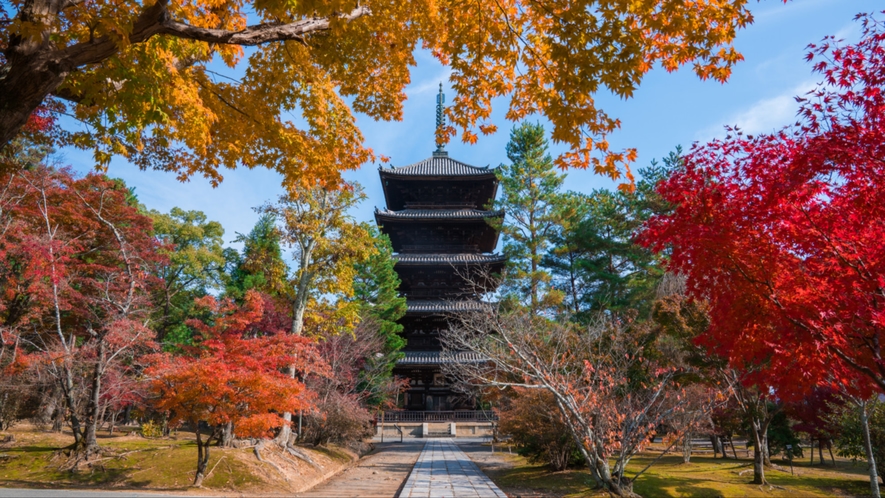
x=35 y=459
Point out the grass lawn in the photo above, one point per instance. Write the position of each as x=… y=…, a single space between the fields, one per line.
x=166 y=464
x=703 y=477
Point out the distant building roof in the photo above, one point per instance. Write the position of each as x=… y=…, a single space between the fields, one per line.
x=439 y=358
x=453 y=214
x=441 y=306
x=463 y=258
x=438 y=165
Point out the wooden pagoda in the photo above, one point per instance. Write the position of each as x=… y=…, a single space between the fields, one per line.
x=438 y=223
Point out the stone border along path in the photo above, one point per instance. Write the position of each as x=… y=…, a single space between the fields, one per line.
x=444 y=471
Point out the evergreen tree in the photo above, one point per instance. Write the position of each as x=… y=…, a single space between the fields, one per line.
x=594 y=259
x=375 y=289
x=261 y=265
x=566 y=255
x=530 y=195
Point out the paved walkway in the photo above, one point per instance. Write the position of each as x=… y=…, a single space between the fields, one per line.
x=444 y=471
x=378 y=475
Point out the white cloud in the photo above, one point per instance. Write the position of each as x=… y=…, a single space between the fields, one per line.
x=765 y=115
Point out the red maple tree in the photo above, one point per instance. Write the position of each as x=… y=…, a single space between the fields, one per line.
x=234 y=374
x=73 y=259
x=783 y=232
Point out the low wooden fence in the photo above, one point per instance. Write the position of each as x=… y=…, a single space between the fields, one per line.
x=440 y=416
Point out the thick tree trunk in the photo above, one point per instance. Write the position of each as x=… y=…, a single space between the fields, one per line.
x=868 y=448
x=811 y=450
x=29 y=79
x=820 y=450
x=68 y=391
x=686 y=448
x=759 y=430
x=227 y=436
x=94 y=407
x=766 y=451
x=717 y=446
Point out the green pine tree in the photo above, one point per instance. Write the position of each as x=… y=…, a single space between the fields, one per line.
x=531 y=190
x=260 y=266
x=375 y=288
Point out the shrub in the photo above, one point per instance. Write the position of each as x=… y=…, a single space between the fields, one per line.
x=151 y=430
x=534 y=424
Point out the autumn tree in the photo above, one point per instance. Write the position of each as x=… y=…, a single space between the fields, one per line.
x=530 y=185
x=326 y=242
x=683 y=322
x=232 y=377
x=360 y=382
x=78 y=266
x=194 y=264
x=141 y=75
x=782 y=232
x=608 y=393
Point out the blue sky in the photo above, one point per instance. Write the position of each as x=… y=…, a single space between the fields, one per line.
x=669 y=109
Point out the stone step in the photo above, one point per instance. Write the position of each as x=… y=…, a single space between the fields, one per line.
x=438 y=434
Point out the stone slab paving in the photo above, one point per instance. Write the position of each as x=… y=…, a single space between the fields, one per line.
x=379 y=475
x=444 y=471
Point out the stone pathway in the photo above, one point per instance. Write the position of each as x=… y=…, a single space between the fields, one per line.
x=378 y=475
x=444 y=471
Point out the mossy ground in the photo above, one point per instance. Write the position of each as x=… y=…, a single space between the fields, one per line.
x=128 y=461
x=703 y=477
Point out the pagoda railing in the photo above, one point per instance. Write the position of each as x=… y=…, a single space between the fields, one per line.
x=437 y=416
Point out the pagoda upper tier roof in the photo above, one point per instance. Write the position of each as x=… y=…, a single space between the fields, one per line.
x=436 y=214
x=455 y=259
x=439 y=165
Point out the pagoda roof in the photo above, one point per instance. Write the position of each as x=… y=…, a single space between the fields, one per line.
x=439 y=358
x=455 y=259
x=439 y=165
x=436 y=214
x=441 y=306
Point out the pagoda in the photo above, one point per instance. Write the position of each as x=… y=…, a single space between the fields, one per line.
x=437 y=219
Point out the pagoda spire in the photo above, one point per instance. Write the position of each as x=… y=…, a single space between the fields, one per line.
x=440 y=124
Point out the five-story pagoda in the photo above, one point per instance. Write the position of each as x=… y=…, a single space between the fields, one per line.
x=438 y=223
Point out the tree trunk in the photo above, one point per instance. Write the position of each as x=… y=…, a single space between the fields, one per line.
x=27 y=82
x=93 y=408
x=868 y=448
x=759 y=430
x=227 y=436
x=68 y=391
x=830 y=449
x=113 y=423
x=766 y=451
x=203 y=454
x=686 y=448
x=820 y=450
x=811 y=450
x=717 y=446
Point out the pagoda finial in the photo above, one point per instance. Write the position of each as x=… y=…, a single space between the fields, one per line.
x=440 y=123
